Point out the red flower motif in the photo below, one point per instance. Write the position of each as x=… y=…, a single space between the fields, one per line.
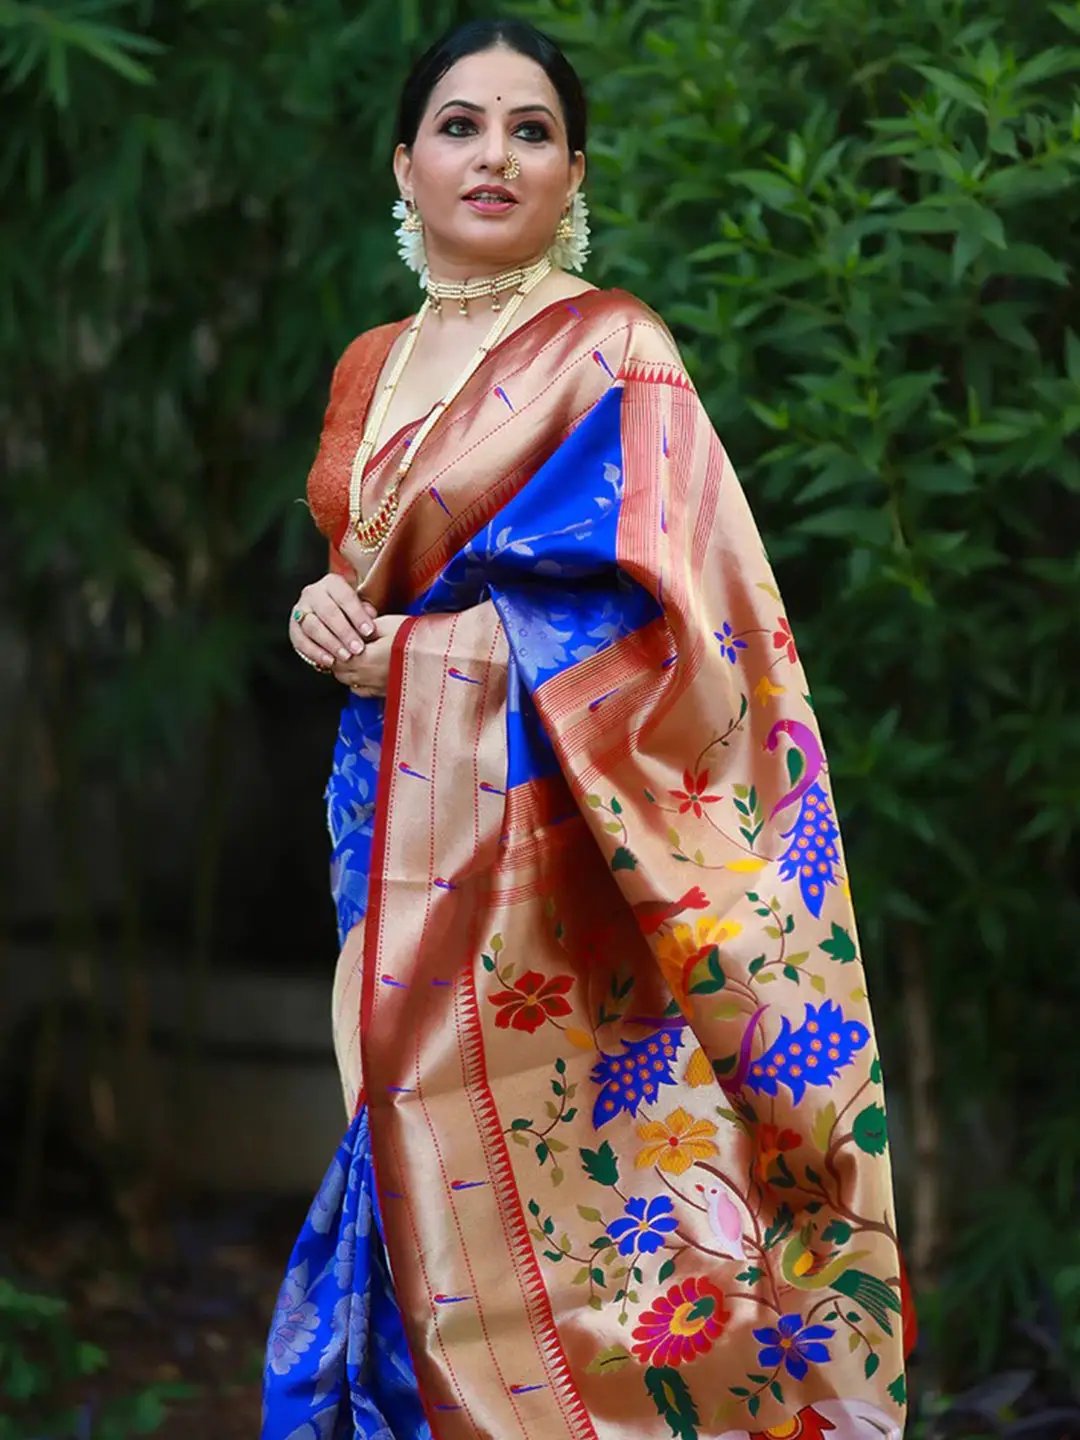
x=771 y=1143
x=532 y=1000
x=783 y=638
x=682 y=1324
x=692 y=796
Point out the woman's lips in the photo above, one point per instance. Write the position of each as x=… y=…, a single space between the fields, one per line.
x=489 y=207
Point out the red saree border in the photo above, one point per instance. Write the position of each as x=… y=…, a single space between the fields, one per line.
x=377 y=872
x=530 y=1278
x=372 y=927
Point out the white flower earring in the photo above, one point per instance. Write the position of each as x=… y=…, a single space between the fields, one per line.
x=410 y=237
x=570 y=248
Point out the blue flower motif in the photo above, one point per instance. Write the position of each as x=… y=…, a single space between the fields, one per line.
x=797 y=1348
x=642 y=1229
x=633 y=1078
x=728 y=646
x=811 y=1055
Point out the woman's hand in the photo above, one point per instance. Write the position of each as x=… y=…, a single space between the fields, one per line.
x=330 y=622
x=367 y=674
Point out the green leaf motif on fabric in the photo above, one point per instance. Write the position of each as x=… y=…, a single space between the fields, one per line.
x=839 y=1231
x=713 y=979
x=898 y=1390
x=840 y=945
x=623 y=859
x=674 y=1403
x=601 y=1165
x=780 y=1227
x=870 y=1130
x=609 y=1361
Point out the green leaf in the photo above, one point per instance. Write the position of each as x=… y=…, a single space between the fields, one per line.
x=665 y=1272
x=951 y=85
x=872 y=1363
x=869 y=1130
x=839 y=945
x=609 y=1361
x=601 y=1165
x=674 y=1404
x=623 y=859
x=770 y=188
x=838 y=1231
x=898 y=1389
x=714 y=979
x=780 y=1227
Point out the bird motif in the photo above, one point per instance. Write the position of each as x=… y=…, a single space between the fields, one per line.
x=808 y=1269
x=651 y=914
x=813 y=852
x=813 y=759
x=725 y=1220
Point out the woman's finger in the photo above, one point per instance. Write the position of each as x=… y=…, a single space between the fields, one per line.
x=319 y=632
x=328 y=613
x=358 y=612
x=307 y=649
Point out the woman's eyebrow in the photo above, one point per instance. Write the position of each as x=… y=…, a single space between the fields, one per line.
x=479 y=109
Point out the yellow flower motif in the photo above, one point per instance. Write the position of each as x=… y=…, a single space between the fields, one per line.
x=684 y=946
x=676 y=1143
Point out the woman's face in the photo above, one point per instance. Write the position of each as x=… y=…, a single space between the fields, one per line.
x=484 y=106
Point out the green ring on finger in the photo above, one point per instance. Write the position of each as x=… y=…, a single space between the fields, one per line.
x=299 y=613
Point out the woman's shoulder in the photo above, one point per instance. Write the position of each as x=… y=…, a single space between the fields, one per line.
x=646 y=336
x=366 y=352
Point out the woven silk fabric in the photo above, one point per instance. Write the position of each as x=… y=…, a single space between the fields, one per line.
x=625 y=1103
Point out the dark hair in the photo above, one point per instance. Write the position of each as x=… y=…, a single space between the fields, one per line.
x=475 y=36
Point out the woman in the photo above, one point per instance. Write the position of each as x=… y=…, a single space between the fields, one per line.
x=599 y=1010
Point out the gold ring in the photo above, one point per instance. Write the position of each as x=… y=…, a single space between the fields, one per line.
x=300 y=614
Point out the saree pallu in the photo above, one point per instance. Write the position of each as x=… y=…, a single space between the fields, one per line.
x=601 y=973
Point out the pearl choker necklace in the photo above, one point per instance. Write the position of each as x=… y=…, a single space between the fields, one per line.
x=489 y=287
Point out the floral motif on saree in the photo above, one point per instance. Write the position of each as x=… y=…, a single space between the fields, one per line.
x=625 y=1102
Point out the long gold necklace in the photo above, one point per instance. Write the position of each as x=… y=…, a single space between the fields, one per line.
x=371 y=534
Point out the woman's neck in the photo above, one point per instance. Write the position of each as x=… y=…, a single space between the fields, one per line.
x=479 y=304
x=453 y=272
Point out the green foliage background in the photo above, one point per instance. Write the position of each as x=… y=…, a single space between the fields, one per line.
x=863 y=223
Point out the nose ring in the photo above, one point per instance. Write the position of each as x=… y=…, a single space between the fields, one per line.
x=511 y=166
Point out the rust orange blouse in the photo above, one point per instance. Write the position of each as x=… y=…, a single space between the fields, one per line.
x=342 y=430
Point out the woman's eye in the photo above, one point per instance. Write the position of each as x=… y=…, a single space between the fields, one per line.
x=452 y=126
x=537 y=131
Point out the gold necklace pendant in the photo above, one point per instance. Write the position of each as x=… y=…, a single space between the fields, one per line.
x=371 y=534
